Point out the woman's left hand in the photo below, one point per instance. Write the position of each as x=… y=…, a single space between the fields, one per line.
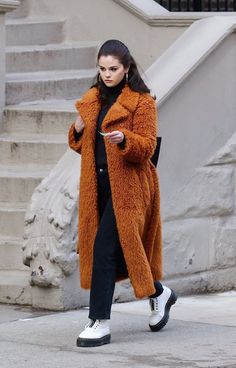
x=115 y=137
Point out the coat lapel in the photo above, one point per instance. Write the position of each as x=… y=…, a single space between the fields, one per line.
x=125 y=104
x=90 y=106
x=116 y=112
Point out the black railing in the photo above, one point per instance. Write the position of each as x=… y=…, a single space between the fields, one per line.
x=198 y=5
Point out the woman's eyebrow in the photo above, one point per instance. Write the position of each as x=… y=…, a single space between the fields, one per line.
x=113 y=66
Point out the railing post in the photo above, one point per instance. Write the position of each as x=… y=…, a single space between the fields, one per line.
x=5 y=6
x=197 y=5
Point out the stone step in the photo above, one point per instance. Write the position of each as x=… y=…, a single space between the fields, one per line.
x=29 y=31
x=80 y=55
x=32 y=149
x=21 y=11
x=11 y=255
x=46 y=117
x=17 y=184
x=15 y=287
x=12 y=219
x=57 y=84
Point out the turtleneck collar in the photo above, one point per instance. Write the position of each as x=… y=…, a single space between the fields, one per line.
x=114 y=91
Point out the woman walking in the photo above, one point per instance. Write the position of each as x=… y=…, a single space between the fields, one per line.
x=119 y=200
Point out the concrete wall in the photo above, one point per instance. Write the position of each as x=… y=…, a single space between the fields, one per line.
x=197 y=119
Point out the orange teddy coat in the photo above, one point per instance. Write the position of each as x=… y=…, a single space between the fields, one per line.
x=134 y=186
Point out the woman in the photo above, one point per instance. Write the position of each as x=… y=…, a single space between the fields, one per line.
x=119 y=201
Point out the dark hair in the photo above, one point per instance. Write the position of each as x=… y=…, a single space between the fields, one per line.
x=120 y=51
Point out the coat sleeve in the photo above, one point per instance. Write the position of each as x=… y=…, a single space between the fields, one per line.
x=140 y=143
x=75 y=139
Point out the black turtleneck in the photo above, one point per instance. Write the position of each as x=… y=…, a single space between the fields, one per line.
x=112 y=94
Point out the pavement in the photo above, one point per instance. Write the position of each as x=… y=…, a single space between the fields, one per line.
x=200 y=333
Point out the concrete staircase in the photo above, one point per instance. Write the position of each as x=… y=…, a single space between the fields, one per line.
x=44 y=78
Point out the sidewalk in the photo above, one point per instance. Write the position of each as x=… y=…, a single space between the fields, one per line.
x=201 y=333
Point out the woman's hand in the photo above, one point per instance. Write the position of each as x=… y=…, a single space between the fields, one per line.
x=79 y=124
x=115 y=137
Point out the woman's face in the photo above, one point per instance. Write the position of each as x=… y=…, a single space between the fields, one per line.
x=111 y=70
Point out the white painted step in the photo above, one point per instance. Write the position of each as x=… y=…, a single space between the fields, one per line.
x=32 y=149
x=45 y=117
x=17 y=184
x=12 y=219
x=80 y=55
x=29 y=31
x=57 y=84
x=11 y=254
x=15 y=287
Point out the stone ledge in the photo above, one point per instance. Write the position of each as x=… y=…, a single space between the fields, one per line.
x=156 y=15
x=214 y=280
x=8 y=5
x=188 y=52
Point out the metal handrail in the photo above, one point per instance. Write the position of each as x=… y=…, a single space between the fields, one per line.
x=198 y=5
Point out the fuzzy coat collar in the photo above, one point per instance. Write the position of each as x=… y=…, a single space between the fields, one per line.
x=89 y=106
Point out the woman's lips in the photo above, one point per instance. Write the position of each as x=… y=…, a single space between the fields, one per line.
x=108 y=80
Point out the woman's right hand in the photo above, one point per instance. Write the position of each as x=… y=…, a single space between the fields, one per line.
x=79 y=124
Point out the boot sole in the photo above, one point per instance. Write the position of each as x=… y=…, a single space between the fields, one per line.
x=93 y=342
x=172 y=299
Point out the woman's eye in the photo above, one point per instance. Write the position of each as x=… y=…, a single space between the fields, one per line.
x=112 y=69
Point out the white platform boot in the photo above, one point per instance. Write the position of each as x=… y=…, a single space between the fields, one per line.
x=160 y=308
x=96 y=333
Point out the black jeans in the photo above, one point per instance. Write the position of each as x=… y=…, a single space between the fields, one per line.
x=108 y=260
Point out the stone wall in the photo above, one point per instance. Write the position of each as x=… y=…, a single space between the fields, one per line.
x=200 y=227
x=197 y=116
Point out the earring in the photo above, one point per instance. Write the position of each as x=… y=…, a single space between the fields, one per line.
x=127 y=77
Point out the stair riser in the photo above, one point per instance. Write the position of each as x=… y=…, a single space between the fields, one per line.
x=11 y=257
x=42 y=122
x=17 y=189
x=17 y=92
x=12 y=223
x=31 y=153
x=42 y=33
x=80 y=58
